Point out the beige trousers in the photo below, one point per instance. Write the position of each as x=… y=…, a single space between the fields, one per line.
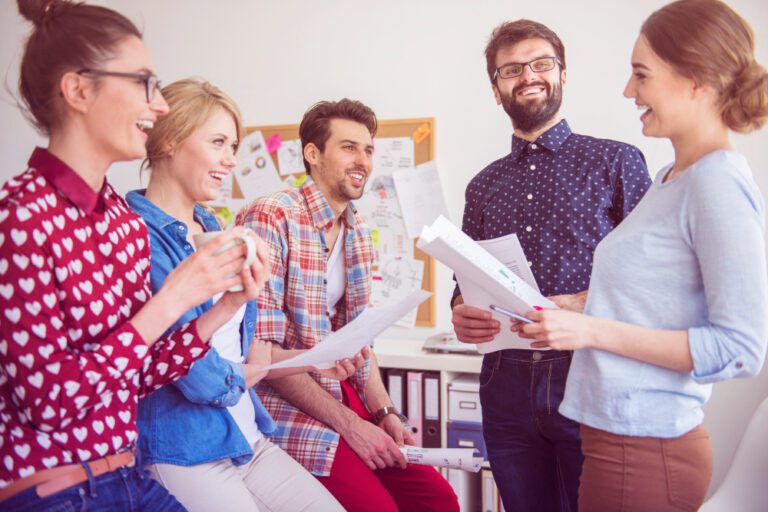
x=270 y=481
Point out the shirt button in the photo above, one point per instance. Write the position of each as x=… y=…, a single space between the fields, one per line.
x=739 y=365
x=181 y=228
x=528 y=229
x=537 y=356
x=533 y=167
x=534 y=146
x=529 y=196
x=530 y=263
x=188 y=247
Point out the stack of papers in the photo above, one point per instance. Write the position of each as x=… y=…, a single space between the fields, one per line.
x=484 y=280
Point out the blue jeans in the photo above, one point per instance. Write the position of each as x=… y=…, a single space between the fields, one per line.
x=125 y=489
x=535 y=453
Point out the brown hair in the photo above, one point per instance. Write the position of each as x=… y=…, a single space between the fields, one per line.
x=191 y=103
x=315 y=125
x=706 y=41
x=513 y=32
x=67 y=36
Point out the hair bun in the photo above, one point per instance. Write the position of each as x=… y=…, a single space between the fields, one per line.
x=38 y=11
x=745 y=102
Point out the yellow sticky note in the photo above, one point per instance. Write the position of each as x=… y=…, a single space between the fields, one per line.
x=300 y=180
x=226 y=215
x=421 y=133
x=375 y=236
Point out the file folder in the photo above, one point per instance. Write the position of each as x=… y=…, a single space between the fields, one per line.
x=490 y=493
x=396 y=387
x=431 y=434
x=415 y=400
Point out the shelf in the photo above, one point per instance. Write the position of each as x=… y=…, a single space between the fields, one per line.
x=407 y=354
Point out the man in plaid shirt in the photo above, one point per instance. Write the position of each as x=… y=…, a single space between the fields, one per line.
x=345 y=433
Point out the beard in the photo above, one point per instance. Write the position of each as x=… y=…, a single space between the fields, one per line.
x=529 y=116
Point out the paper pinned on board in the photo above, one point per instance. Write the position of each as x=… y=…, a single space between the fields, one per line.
x=350 y=339
x=420 y=195
x=451 y=458
x=255 y=171
x=483 y=279
x=290 y=158
x=394 y=280
x=392 y=153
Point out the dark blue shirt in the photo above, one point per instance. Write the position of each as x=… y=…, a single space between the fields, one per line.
x=561 y=194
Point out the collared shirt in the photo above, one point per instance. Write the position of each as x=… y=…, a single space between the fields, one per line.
x=193 y=408
x=690 y=257
x=74 y=269
x=293 y=308
x=560 y=194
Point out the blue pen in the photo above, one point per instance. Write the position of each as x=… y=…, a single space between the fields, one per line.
x=511 y=314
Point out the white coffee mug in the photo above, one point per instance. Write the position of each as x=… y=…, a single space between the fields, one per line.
x=201 y=239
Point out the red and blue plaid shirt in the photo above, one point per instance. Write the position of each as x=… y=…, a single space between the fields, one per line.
x=293 y=308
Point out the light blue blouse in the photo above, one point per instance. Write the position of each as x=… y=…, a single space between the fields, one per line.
x=690 y=256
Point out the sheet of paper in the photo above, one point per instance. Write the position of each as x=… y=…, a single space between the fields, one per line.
x=290 y=158
x=420 y=195
x=507 y=249
x=451 y=458
x=255 y=171
x=483 y=279
x=394 y=280
x=380 y=210
x=392 y=153
x=350 y=339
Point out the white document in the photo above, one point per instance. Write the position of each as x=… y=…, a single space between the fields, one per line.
x=420 y=194
x=452 y=458
x=394 y=280
x=350 y=339
x=379 y=209
x=483 y=279
x=290 y=158
x=392 y=153
x=507 y=249
x=255 y=172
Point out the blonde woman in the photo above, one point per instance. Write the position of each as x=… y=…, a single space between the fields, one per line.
x=204 y=437
x=678 y=293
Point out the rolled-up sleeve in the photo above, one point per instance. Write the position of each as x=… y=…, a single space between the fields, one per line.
x=727 y=233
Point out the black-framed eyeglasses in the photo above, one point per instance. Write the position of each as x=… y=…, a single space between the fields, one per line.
x=151 y=82
x=513 y=69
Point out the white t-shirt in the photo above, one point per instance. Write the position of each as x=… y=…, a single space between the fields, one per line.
x=336 y=275
x=226 y=341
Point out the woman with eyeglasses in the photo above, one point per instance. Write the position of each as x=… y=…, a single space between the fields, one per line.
x=678 y=293
x=82 y=336
x=205 y=435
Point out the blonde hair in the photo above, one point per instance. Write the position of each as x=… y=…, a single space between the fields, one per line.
x=191 y=102
x=707 y=41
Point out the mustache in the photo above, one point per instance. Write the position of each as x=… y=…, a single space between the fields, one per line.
x=359 y=169
x=520 y=87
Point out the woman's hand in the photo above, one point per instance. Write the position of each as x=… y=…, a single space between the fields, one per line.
x=347 y=367
x=558 y=329
x=253 y=276
x=259 y=356
x=571 y=302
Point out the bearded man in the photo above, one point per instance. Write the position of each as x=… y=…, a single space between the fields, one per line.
x=561 y=193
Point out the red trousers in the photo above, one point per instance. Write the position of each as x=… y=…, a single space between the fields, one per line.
x=358 y=488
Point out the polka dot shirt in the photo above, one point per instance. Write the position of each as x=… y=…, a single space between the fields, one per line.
x=561 y=194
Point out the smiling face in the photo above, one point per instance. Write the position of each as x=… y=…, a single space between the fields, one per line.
x=532 y=100
x=200 y=163
x=343 y=168
x=118 y=114
x=665 y=97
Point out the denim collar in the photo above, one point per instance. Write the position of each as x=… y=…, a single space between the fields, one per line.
x=148 y=210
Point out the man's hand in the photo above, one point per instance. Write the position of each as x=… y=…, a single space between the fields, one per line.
x=347 y=367
x=474 y=325
x=401 y=434
x=374 y=445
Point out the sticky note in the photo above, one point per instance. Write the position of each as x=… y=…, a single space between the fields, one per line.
x=421 y=133
x=274 y=143
x=299 y=181
x=375 y=236
x=226 y=215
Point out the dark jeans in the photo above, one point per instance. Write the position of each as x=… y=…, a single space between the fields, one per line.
x=535 y=453
x=125 y=489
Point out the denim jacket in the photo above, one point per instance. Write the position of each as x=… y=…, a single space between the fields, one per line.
x=187 y=423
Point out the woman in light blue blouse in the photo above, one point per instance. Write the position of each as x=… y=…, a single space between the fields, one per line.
x=678 y=293
x=204 y=438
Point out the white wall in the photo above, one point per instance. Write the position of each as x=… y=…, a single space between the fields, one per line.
x=405 y=59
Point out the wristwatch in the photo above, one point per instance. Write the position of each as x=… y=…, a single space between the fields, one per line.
x=381 y=413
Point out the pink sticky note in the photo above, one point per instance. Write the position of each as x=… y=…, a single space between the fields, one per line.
x=274 y=143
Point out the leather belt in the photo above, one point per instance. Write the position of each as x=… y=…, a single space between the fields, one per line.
x=51 y=481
